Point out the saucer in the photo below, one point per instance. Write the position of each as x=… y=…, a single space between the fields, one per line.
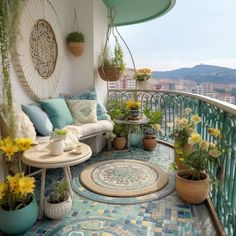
x=77 y=150
x=69 y=148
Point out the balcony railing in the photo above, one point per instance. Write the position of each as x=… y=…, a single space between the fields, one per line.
x=214 y=113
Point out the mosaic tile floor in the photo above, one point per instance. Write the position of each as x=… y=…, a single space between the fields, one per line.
x=163 y=217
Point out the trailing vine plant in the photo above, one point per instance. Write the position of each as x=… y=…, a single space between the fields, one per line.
x=9 y=12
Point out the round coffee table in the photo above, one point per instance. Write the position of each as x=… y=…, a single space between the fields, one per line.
x=40 y=157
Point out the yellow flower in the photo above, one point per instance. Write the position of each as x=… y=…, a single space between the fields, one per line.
x=26 y=185
x=157 y=127
x=133 y=105
x=187 y=111
x=204 y=145
x=2 y=189
x=8 y=147
x=24 y=143
x=196 y=119
x=214 y=132
x=14 y=182
x=194 y=138
x=215 y=152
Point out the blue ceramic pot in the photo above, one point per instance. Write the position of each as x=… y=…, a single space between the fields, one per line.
x=19 y=221
x=135 y=139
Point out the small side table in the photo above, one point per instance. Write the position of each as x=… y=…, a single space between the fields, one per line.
x=141 y=121
x=40 y=157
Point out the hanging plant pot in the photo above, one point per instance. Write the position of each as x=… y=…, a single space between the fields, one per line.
x=110 y=73
x=76 y=48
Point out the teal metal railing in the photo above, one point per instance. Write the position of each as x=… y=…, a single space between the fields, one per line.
x=214 y=113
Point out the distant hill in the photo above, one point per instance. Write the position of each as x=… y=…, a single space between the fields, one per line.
x=200 y=74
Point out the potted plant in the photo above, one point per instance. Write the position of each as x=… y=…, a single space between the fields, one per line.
x=150 y=130
x=184 y=127
x=133 y=107
x=119 y=142
x=18 y=207
x=192 y=184
x=117 y=109
x=59 y=134
x=59 y=202
x=75 y=43
x=112 y=67
x=142 y=78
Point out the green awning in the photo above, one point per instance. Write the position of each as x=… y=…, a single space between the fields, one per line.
x=136 y=11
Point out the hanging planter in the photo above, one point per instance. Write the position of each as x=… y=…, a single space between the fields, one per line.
x=75 y=40
x=112 y=66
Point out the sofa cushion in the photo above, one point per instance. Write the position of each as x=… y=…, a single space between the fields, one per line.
x=57 y=112
x=90 y=94
x=83 y=111
x=39 y=119
x=92 y=129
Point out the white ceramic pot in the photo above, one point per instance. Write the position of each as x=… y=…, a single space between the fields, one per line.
x=56 y=147
x=57 y=211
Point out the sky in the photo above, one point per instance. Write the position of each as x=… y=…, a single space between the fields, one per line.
x=193 y=32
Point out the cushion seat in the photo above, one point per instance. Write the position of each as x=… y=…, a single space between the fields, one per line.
x=85 y=131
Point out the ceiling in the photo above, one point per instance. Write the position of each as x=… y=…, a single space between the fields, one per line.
x=137 y=11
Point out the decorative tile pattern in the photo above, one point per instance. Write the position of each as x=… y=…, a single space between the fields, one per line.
x=167 y=216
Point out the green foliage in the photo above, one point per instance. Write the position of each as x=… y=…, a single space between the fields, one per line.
x=155 y=117
x=120 y=130
x=116 y=60
x=60 y=192
x=117 y=109
x=75 y=37
x=9 y=13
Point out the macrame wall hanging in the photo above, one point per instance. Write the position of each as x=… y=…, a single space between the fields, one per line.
x=38 y=56
x=112 y=66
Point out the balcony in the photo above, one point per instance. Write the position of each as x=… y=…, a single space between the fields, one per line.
x=214 y=113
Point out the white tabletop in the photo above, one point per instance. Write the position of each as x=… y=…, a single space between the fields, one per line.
x=39 y=156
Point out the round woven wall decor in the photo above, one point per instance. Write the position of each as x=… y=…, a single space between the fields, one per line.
x=38 y=54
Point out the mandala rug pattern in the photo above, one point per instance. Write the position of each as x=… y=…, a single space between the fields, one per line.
x=123 y=178
x=93 y=227
x=142 y=155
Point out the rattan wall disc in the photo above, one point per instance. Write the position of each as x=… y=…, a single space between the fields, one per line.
x=38 y=55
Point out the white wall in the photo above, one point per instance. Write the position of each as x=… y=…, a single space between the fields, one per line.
x=78 y=73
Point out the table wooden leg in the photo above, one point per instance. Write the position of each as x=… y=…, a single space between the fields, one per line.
x=67 y=175
x=42 y=189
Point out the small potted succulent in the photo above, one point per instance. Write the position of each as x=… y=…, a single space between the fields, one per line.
x=112 y=67
x=75 y=43
x=59 y=202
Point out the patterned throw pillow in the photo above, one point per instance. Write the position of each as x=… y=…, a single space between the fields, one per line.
x=83 y=111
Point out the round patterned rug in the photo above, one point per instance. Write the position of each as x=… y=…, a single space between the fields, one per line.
x=123 y=178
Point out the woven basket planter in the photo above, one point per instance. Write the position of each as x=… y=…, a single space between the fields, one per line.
x=110 y=73
x=76 y=48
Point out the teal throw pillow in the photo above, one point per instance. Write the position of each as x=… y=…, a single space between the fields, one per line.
x=102 y=112
x=57 y=111
x=39 y=118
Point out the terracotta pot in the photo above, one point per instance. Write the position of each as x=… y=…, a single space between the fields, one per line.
x=119 y=143
x=187 y=148
x=76 y=48
x=149 y=142
x=192 y=191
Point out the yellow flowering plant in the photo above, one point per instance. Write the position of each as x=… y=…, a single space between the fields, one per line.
x=202 y=151
x=143 y=74
x=10 y=146
x=16 y=191
x=184 y=127
x=133 y=105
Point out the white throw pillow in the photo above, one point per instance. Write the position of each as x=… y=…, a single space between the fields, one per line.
x=83 y=111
